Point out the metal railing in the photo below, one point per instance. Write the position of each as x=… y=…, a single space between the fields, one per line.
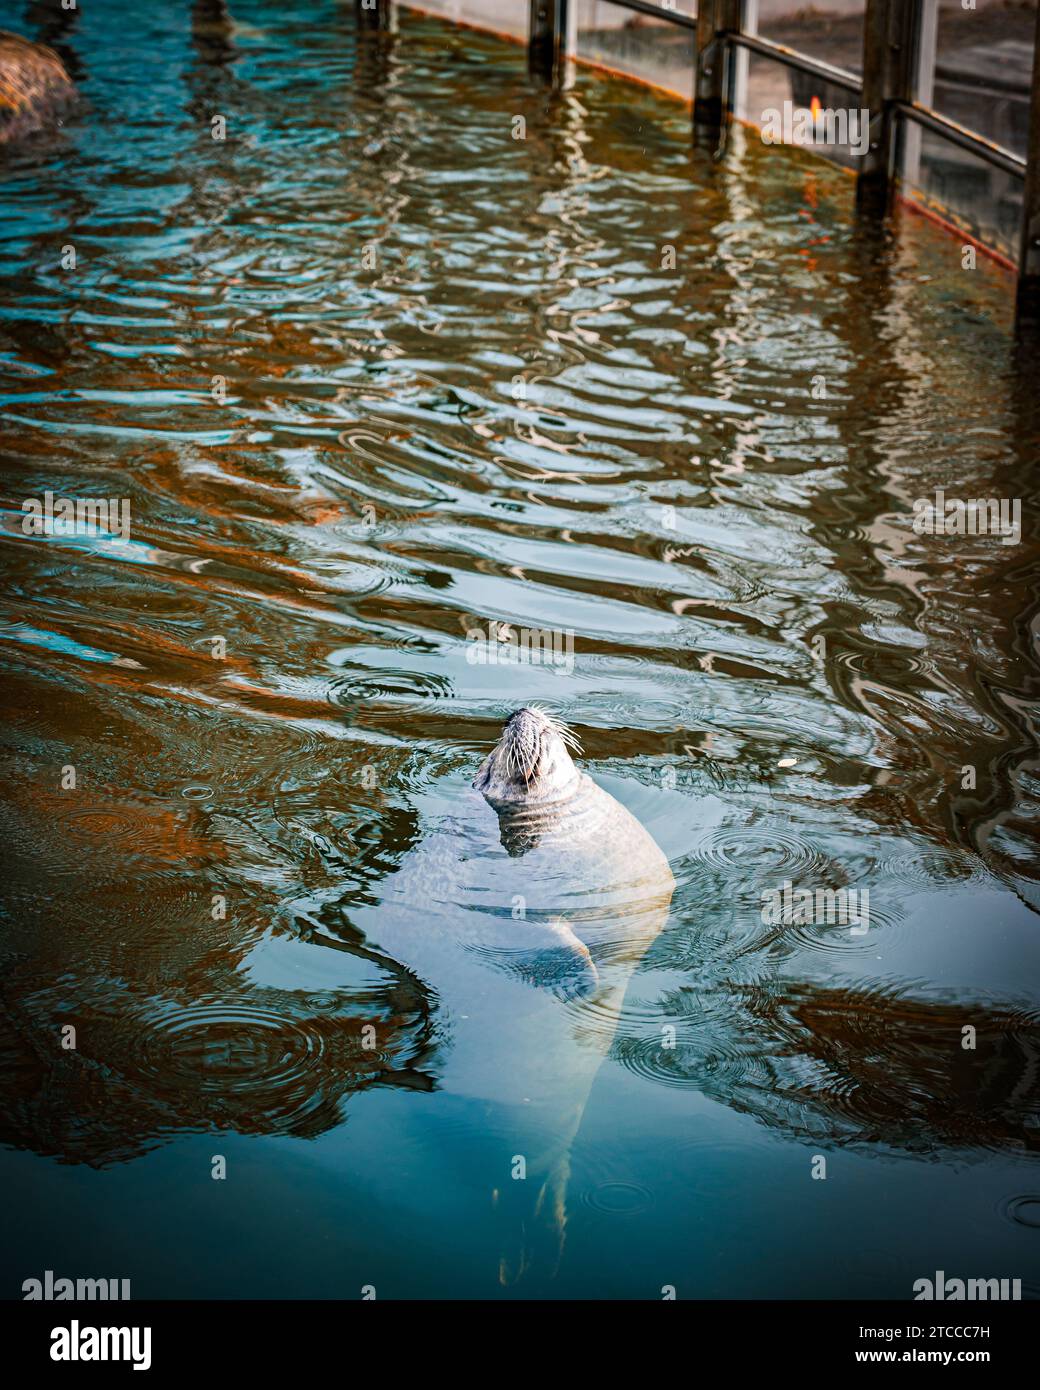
x=963 y=138
x=790 y=57
x=899 y=47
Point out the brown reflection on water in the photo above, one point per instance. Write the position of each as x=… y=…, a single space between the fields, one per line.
x=860 y=1067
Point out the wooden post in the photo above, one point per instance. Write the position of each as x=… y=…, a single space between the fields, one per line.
x=1029 y=258
x=548 y=37
x=710 y=76
x=713 y=86
x=891 y=41
x=376 y=14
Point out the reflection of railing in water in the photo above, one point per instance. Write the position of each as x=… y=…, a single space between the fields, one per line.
x=900 y=75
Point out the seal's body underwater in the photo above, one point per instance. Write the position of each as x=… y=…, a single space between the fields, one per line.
x=525 y=912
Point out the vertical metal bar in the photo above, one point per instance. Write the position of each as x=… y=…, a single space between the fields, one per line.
x=891 y=31
x=567 y=46
x=923 y=89
x=549 y=37
x=1029 y=259
x=730 y=17
x=746 y=22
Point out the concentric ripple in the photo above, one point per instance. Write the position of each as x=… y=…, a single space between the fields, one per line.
x=618 y=1199
x=242 y=1064
x=1023 y=1210
x=402 y=687
x=767 y=853
x=935 y=866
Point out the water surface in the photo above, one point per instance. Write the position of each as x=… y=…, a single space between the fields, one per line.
x=372 y=373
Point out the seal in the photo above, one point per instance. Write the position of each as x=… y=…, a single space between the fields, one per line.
x=34 y=86
x=524 y=910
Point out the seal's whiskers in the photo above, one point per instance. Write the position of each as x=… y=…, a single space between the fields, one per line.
x=569 y=737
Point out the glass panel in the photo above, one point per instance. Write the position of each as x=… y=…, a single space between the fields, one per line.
x=508 y=17
x=791 y=108
x=653 y=50
x=963 y=189
x=984 y=61
x=829 y=30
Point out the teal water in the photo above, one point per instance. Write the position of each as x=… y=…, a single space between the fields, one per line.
x=463 y=384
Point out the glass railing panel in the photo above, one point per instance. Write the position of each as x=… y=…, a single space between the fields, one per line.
x=790 y=107
x=646 y=47
x=508 y=17
x=828 y=30
x=983 y=68
x=962 y=189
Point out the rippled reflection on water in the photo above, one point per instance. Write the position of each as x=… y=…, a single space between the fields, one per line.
x=667 y=485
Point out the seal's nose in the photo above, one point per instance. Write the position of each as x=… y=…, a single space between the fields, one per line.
x=525 y=714
x=526 y=727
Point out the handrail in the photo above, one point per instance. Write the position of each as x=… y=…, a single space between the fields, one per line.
x=898 y=37
x=966 y=139
x=684 y=21
x=959 y=135
x=792 y=57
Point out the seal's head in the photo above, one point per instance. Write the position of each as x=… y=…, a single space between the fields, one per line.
x=530 y=763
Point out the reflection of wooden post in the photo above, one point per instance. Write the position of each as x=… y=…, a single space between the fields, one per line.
x=550 y=37
x=1029 y=261
x=890 y=42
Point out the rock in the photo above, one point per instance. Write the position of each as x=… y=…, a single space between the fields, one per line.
x=34 y=86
